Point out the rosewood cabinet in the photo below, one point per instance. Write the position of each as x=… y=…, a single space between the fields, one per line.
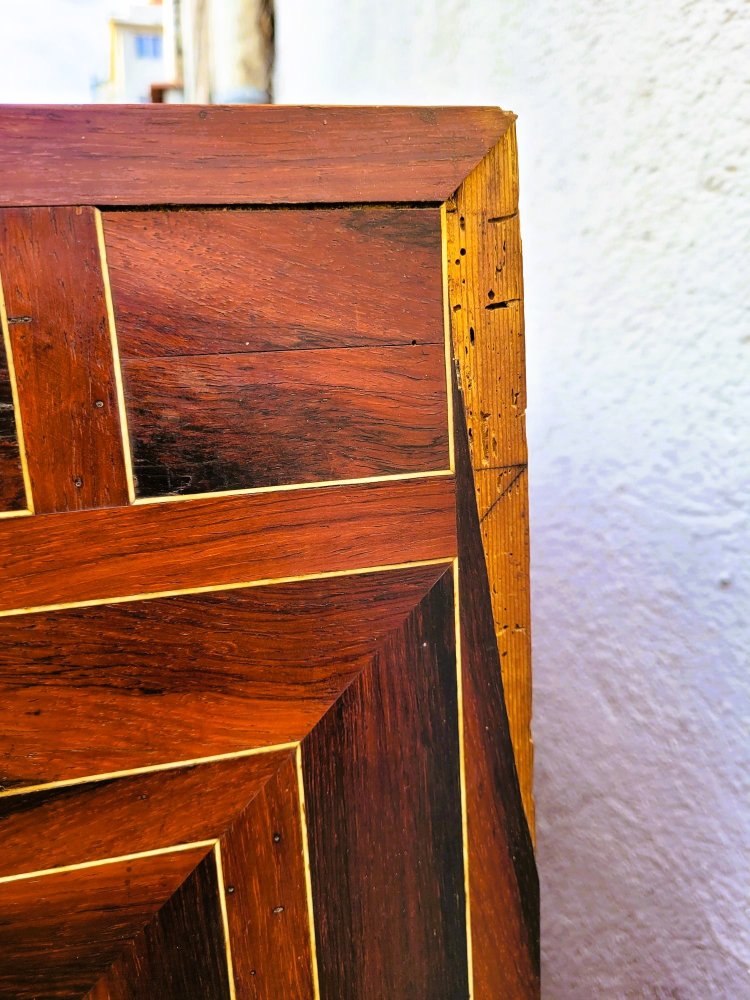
x=264 y=667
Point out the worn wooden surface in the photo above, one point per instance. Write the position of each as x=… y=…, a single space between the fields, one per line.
x=381 y=773
x=503 y=885
x=144 y=811
x=12 y=491
x=107 y=688
x=266 y=676
x=60 y=931
x=57 y=315
x=233 y=282
x=267 y=907
x=172 y=155
x=485 y=289
x=205 y=424
x=96 y=555
x=180 y=953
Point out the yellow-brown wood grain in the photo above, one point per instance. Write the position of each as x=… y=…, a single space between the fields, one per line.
x=485 y=307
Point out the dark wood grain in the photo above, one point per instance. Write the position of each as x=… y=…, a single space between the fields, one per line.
x=229 y=282
x=199 y=425
x=94 y=690
x=384 y=817
x=266 y=894
x=59 y=932
x=94 y=555
x=115 y=816
x=54 y=296
x=504 y=888
x=239 y=155
x=180 y=954
x=12 y=492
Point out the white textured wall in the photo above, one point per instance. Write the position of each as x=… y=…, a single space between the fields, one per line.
x=635 y=170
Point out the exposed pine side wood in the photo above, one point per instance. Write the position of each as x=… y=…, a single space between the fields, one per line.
x=62 y=354
x=181 y=155
x=485 y=292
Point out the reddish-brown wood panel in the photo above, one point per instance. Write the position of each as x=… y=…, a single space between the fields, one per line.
x=266 y=894
x=12 y=492
x=200 y=425
x=504 y=888
x=59 y=932
x=172 y=155
x=57 y=315
x=383 y=798
x=233 y=282
x=112 y=687
x=110 y=817
x=94 y=555
x=180 y=954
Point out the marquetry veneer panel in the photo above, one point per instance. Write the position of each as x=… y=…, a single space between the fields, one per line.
x=254 y=742
x=149 y=682
x=234 y=282
x=262 y=348
x=228 y=422
x=55 y=299
x=61 y=930
x=180 y=953
x=392 y=739
x=12 y=493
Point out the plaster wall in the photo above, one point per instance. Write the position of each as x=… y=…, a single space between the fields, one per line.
x=634 y=137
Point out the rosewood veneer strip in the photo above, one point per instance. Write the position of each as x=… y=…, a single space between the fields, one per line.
x=232 y=282
x=382 y=791
x=146 y=682
x=503 y=883
x=13 y=498
x=59 y=931
x=207 y=424
x=181 y=952
x=115 y=816
x=59 y=331
x=96 y=555
x=266 y=894
x=233 y=155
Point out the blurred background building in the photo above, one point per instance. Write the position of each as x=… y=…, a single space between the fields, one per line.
x=191 y=51
x=118 y=51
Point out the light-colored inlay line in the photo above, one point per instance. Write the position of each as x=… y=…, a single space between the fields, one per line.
x=448 y=338
x=211 y=588
x=5 y=514
x=395 y=477
x=16 y=405
x=308 y=875
x=224 y=919
x=146 y=769
x=177 y=848
x=462 y=773
x=116 y=367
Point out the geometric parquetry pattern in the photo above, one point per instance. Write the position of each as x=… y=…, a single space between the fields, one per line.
x=254 y=737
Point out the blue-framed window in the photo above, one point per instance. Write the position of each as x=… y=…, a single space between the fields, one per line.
x=148 y=46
